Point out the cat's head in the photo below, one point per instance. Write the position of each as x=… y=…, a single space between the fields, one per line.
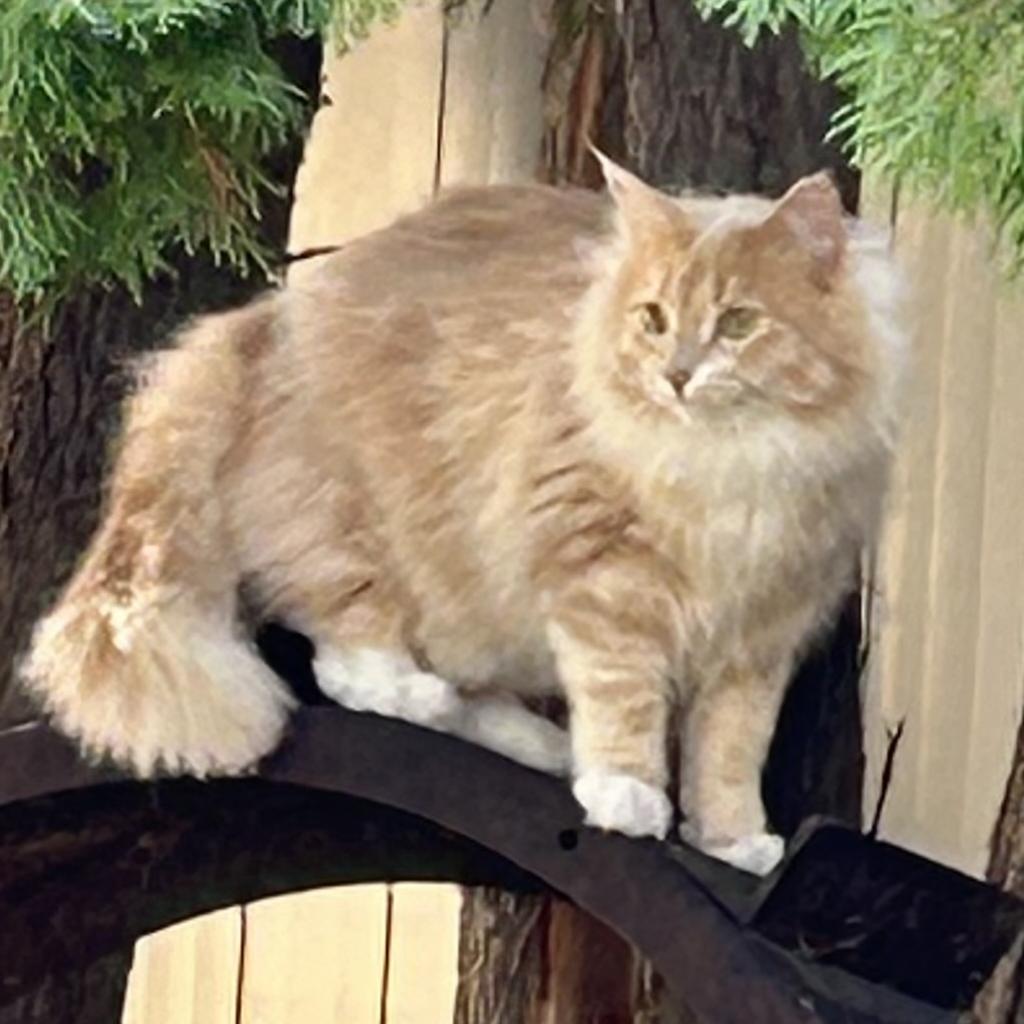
x=735 y=309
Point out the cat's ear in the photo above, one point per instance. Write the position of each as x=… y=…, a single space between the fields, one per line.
x=646 y=213
x=810 y=217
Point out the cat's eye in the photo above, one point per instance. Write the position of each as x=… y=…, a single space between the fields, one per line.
x=653 y=318
x=737 y=322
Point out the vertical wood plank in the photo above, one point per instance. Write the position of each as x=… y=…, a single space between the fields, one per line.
x=187 y=974
x=954 y=558
x=315 y=956
x=878 y=207
x=900 y=623
x=948 y=623
x=423 y=971
x=999 y=670
x=493 y=116
x=372 y=152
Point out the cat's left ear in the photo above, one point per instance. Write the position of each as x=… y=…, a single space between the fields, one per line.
x=810 y=215
x=646 y=212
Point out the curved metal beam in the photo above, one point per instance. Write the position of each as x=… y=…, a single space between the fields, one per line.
x=408 y=803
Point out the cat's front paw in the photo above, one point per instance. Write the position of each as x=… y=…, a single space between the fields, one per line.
x=622 y=803
x=757 y=854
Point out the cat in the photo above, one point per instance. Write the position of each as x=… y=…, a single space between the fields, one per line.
x=624 y=447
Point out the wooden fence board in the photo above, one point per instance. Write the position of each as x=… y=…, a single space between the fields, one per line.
x=187 y=974
x=948 y=632
x=316 y=957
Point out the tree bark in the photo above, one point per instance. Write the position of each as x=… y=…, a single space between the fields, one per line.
x=501 y=956
x=89 y=995
x=528 y=959
x=682 y=102
x=1001 y=1001
x=60 y=397
x=591 y=977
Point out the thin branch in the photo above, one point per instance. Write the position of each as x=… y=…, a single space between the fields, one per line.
x=894 y=737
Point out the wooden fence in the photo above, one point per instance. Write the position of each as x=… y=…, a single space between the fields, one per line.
x=948 y=631
x=362 y=954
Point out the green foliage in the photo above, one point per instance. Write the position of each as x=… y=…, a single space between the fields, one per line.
x=934 y=87
x=127 y=126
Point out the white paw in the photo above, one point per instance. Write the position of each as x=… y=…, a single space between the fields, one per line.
x=758 y=853
x=622 y=803
x=429 y=700
x=388 y=684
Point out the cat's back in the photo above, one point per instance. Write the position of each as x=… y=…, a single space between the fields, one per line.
x=472 y=244
x=463 y=306
x=507 y=218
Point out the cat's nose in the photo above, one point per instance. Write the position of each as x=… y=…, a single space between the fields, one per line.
x=683 y=364
x=678 y=378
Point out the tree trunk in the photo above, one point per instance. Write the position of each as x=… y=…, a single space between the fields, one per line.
x=594 y=976
x=526 y=959
x=684 y=103
x=1001 y=1001
x=501 y=956
x=60 y=397
x=89 y=995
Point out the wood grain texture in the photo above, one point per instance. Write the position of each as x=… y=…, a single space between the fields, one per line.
x=948 y=615
x=189 y=973
x=702 y=110
x=492 y=124
x=372 y=150
x=501 y=956
x=316 y=956
x=423 y=953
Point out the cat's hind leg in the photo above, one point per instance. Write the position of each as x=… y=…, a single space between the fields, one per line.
x=501 y=723
x=333 y=586
x=388 y=682
x=362 y=663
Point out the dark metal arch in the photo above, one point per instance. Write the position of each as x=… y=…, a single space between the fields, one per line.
x=91 y=861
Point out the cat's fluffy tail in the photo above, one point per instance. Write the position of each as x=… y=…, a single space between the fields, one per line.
x=143 y=659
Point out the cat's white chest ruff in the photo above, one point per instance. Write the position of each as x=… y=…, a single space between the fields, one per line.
x=750 y=571
x=738 y=548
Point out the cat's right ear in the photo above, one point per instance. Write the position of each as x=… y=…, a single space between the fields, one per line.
x=646 y=213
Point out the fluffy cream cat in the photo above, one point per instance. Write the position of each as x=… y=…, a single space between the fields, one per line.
x=525 y=441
